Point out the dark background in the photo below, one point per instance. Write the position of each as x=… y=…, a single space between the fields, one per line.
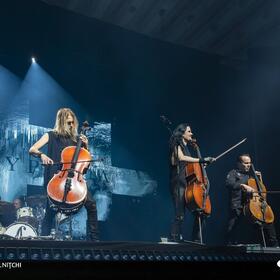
x=129 y=80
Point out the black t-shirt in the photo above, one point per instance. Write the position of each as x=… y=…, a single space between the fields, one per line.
x=56 y=145
x=178 y=171
x=233 y=181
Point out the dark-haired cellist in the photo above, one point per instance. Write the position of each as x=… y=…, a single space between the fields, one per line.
x=180 y=156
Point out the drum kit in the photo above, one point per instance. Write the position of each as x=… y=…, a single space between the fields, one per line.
x=25 y=222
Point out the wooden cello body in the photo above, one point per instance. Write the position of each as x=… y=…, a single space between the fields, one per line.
x=197 y=189
x=67 y=190
x=256 y=207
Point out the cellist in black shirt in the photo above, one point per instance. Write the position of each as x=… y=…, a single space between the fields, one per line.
x=180 y=156
x=63 y=135
x=239 y=190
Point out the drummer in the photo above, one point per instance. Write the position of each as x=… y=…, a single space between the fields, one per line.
x=18 y=203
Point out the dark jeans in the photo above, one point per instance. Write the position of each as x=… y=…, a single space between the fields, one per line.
x=237 y=218
x=92 y=222
x=178 y=196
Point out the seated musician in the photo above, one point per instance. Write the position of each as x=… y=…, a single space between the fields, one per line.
x=239 y=190
x=18 y=203
x=180 y=156
x=63 y=135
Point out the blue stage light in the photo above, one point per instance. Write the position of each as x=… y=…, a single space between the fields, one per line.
x=107 y=257
x=203 y=258
x=196 y=258
x=142 y=257
x=210 y=258
x=116 y=257
x=35 y=256
x=158 y=257
x=11 y=256
x=46 y=256
x=33 y=59
x=166 y=258
x=174 y=258
x=67 y=256
x=96 y=255
x=188 y=257
x=125 y=257
x=78 y=256
x=216 y=258
x=23 y=256
x=181 y=258
x=222 y=258
x=57 y=256
x=89 y=257
x=133 y=256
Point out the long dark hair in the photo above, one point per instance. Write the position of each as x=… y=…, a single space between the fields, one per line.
x=176 y=138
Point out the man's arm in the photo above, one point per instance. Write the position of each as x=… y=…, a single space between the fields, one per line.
x=235 y=183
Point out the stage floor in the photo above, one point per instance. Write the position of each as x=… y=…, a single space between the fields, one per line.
x=33 y=259
x=52 y=250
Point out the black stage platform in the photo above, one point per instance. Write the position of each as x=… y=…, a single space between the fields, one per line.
x=27 y=259
x=52 y=250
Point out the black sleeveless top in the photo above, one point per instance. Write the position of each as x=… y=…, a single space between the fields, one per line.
x=178 y=171
x=56 y=145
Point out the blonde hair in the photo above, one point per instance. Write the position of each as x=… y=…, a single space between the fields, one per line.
x=61 y=128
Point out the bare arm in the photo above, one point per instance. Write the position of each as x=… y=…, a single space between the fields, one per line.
x=189 y=159
x=35 y=149
x=182 y=157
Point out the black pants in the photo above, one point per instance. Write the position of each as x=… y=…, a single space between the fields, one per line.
x=178 y=196
x=237 y=218
x=92 y=222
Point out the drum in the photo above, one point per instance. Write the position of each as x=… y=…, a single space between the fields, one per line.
x=25 y=214
x=21 y=231
x=2 y=229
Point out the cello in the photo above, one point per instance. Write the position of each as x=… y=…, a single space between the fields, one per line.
x=67 y=190
x=256 y=207
x=198 y=186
